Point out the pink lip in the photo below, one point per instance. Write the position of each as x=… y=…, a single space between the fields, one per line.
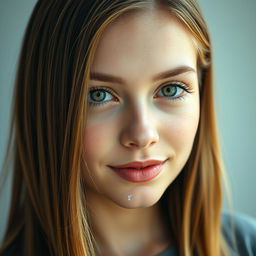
x=139 y=164
x=139 y=171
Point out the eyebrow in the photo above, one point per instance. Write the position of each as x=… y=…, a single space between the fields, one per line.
x=163 y=75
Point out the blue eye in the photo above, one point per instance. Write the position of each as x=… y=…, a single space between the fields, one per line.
x=98 y=96
x=174 y=90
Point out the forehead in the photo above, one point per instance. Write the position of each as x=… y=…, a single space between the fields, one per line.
x=144 y=42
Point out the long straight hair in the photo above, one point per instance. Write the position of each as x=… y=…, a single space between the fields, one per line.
x=48 y=212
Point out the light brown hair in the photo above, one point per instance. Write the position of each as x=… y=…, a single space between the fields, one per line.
x=48 y=206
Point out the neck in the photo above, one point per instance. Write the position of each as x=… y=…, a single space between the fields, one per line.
x=122 y=231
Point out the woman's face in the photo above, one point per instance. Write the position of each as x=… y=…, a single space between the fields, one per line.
x=143 y=105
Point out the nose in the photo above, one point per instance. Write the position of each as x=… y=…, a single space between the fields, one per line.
x=139 y=130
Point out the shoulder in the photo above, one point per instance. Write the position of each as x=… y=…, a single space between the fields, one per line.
x=239 y=231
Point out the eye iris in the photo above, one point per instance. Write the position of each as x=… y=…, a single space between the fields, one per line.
x=169 y=90
x=98 y=95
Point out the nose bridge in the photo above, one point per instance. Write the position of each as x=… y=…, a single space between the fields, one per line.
x=140 y=126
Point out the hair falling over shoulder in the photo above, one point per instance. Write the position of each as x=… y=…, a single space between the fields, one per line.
x=48 y=213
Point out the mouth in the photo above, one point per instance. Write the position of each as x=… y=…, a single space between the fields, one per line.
x=139 y=171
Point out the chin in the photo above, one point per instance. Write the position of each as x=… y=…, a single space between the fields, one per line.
x=138 y=199
x=136 y=205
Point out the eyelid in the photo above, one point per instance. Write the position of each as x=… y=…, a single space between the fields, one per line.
x=182 y=85
x=103 y=88
x=100 y=88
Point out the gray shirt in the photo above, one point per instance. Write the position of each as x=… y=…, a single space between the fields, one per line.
x=244 y=228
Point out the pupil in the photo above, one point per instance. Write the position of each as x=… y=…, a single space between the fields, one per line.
x=170 y=90
x=98 y=95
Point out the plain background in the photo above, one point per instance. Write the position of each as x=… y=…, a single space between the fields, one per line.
x=232 y=25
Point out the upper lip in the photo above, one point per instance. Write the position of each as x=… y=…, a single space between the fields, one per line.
x=139 y=164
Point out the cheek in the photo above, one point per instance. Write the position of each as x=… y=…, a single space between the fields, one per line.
x=95 y=139
x=181 y=131
x=95 y=145
x=99 y=140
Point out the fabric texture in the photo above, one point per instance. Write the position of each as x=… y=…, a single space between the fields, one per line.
x=239 y=231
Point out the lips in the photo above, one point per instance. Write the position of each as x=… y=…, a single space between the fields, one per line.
x=139 y=164
x=139 y=171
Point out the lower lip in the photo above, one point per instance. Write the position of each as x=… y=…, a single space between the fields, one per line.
x=139 y=175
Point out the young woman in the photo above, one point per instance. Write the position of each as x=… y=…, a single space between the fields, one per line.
x=114 y=136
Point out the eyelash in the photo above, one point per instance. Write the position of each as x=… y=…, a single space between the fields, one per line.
x=175 y=84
